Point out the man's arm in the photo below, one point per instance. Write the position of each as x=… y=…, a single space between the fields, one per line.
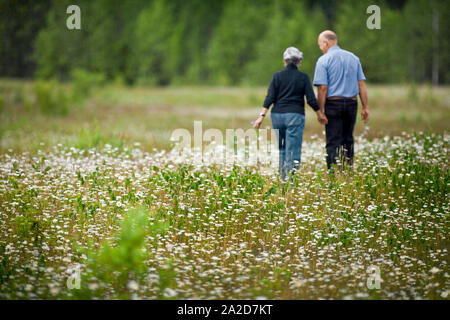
x=321 y=81
x=364 y=100
x=321 y=97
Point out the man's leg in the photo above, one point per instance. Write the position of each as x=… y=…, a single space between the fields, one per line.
x=333 y=130
x=294 y=136
x=348 y=125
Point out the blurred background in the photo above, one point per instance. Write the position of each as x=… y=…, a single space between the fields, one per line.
x=139 y=69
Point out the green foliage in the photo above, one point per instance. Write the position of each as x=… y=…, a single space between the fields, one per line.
x=20 y=23
x=234 y=40
x=2 y=103
x=120 y=261
x=199 y=22
x=12 y=93
x=6 y=267
x=167 y=276
x=58 y=49
x=51 y=98
x=287 y=27
x=90 y=137
x=418 y=38
x=228 y=233
x=413 y=94
x=377 y=49
x=155 y=54
x=84 y=82
x=227 y=43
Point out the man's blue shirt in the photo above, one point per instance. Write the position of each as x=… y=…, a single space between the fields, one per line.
x=340 y=70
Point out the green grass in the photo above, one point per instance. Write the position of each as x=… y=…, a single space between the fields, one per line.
x=122 y=116
x=76 y=190
x=143 y=226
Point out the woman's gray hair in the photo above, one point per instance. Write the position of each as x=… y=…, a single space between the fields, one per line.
x=293 y=61
x=292 y=55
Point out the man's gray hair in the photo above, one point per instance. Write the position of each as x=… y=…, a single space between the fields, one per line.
x=292 y=55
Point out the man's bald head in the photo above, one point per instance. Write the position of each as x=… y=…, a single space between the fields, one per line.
x=326 y=40
x=328 y=35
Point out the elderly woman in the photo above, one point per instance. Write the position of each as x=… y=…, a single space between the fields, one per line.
x=286 y=92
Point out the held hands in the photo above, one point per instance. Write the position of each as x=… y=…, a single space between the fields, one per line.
x=365 y=114
x=321 y=117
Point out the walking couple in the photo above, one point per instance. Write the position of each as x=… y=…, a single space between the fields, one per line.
x=339 y=79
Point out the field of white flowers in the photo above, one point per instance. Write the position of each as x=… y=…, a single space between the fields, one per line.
x=157 y=226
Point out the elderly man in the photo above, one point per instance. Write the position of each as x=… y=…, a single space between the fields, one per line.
x=339 y=78
x=287 y=91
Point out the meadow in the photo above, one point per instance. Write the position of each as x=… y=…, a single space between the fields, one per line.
x=92 y=186
x=38 y=116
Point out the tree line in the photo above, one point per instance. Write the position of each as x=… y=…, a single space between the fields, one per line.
x=219 y=42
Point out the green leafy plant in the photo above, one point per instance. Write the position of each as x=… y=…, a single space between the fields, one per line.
x=51 y=98
x=120 y=261
x=84 y=82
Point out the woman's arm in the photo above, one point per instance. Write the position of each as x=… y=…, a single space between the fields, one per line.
x=271 y=93
x=271 y=98
x=310 y=96
x=312 y=101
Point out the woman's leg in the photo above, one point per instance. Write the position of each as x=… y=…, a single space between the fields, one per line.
x=294 y=138
x=280 y=132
